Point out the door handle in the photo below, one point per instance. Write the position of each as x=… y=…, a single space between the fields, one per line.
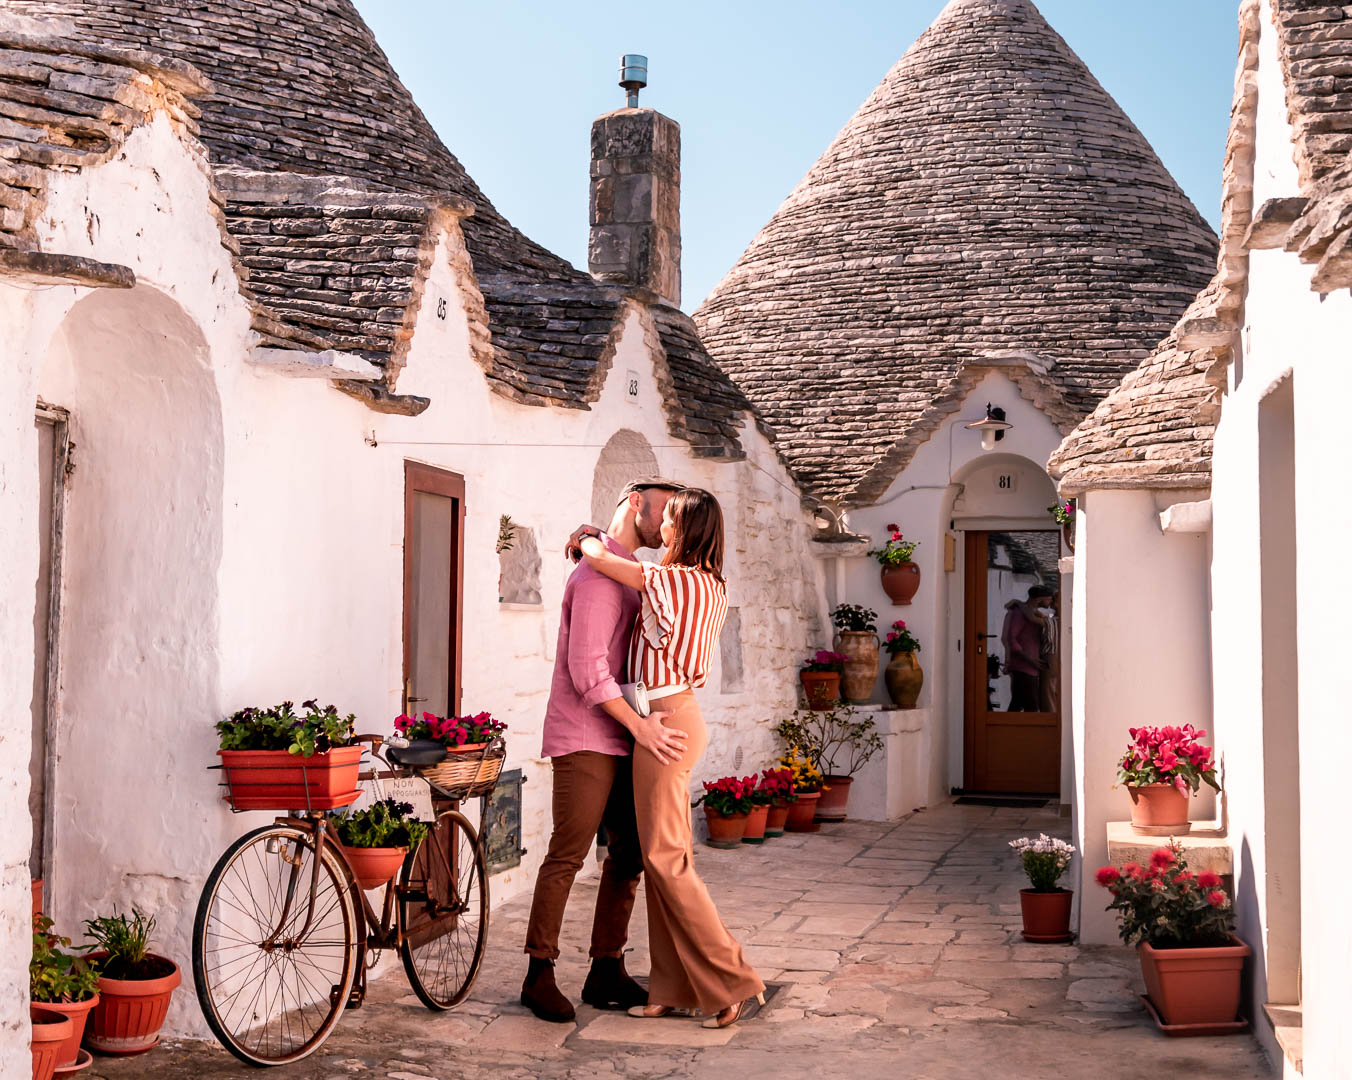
x=413 y=699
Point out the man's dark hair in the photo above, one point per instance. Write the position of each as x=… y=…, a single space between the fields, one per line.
x=647 y=483
x=1041 y=590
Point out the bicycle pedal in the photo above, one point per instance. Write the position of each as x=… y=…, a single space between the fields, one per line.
x=356 y=997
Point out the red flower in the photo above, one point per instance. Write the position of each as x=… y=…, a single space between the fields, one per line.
x=1161 y=859
x=1208 y=879
x=900 y=624
x=1216 y=898
x=893 y=528
x=896 y=535
x=1106 y=875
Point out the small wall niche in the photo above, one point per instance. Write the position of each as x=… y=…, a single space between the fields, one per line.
x=519 y=567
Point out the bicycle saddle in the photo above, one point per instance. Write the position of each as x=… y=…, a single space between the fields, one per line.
x=417 y=752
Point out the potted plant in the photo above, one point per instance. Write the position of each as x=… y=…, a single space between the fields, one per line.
x=49 y=1032
x=727 y=805
x=857 y=641
x=276 y=759
x=778 y=783
x=807 y=790
x=1064 y=515
x=904 y=676
x=901 y=577
x=1161 y=766
x=470 y=765
x=1182 y=926
x=135 y=984
x=376 y=838
x=759 y=818
x=61 y=982
x=839 y=743
x=1045 y=906
x=820 y=677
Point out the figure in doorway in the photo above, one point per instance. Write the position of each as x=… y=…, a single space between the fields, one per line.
x=1025 y=659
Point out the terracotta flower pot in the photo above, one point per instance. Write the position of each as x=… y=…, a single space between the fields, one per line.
x=821 y=688
x=50 y=1030
x=78 y=1012
x=777 y=818
x=1068 y=531
x=37 y=896
x=1046 y=915
x=904 y=677
x=901 y=582
x=1194 y=986
x=725 y=832
x=803 y=813
x=1159 y=810
x=374 y=866
x=860 y=649
x=835 y=797
x=755 y=824
x=130 y=1012
x=280 y=780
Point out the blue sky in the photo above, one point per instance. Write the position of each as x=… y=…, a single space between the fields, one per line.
x=759 y=89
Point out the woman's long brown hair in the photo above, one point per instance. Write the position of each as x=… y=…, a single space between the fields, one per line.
x=697 y=520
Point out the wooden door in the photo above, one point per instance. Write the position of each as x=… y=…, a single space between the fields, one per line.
x=1012 y=668
x=434 y=577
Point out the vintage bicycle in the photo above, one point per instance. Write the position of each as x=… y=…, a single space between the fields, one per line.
x=284 y=936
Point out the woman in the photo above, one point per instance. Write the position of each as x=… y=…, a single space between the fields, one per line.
x=696 y=963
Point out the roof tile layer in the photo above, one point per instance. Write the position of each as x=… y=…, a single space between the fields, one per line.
x=989 y=196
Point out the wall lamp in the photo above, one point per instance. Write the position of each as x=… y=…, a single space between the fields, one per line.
x=992 y=426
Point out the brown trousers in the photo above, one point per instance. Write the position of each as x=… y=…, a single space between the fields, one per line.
x=696 y=963
x=589 y=789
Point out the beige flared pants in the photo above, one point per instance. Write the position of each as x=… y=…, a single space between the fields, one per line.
x=696 y=963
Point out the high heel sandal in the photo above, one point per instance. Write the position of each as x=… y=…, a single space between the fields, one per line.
x=735 y=1013
x=651 y=1012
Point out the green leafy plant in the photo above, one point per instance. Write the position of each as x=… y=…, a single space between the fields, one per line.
x=1044 y=860
x=897 y=550
x=1166 y=905
x=1063 y=513
x=855 y=617
x=53 y=975
x=506 y=533
x=901 y=640
x=838 y=742
x=317 y=731
x=126 y=941
x=382 y=824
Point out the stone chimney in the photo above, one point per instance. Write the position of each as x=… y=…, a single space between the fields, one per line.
x=636 y=203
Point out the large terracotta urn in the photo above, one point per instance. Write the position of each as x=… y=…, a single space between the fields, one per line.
x=900 y=582
x=860 y=649
x=904 y=677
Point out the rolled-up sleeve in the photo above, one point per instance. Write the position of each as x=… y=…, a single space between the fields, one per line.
x=597 y=607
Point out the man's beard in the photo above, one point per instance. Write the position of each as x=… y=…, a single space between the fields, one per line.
x=648 y=531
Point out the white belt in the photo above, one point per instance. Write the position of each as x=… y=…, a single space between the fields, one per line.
x=640 y=696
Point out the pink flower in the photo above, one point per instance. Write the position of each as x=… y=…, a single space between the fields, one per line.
x=892 y=636
x=900 y=624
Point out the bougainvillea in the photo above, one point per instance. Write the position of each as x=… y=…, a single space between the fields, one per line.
x=1167 y=755
x=450 y=731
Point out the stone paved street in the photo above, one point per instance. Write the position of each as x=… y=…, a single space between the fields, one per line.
x=894 y=950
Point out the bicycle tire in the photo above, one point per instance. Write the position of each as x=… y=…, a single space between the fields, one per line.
x=444 y=914
x=213 y=923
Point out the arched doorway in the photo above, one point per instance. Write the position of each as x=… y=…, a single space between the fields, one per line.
x=626 y=456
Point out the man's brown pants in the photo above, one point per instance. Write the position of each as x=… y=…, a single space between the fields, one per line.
x=589 y=789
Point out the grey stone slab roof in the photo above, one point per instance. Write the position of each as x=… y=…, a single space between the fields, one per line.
x=989 y=197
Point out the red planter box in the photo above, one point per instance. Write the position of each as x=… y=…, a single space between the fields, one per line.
x=280 y=780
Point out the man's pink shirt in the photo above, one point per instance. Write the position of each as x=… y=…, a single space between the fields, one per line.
x=594 y=631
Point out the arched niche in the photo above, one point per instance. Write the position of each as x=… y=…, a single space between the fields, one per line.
x=1004 y=486
x=626 y=456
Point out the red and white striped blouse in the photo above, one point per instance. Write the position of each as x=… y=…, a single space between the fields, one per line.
x=678 y=628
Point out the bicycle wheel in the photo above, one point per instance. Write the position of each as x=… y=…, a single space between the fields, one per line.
x=443 y=896
x=271 y=996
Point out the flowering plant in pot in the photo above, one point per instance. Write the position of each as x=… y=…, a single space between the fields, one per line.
x=807 y=790
x=839 y=742
x=1045 y=906
x=778 y=786
x=278 y=759
x=1063 y=513
x=758 y=819
x=135 y=984
x=904 y=676
x=1161 y=767
x=857 y=641
x=453 y=732
x=376 y=838
x=1182 y=925
x=820 y=676
x=727 y=805
x=900 y=576
x=61 y=982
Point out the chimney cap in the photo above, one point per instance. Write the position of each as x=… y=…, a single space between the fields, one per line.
x=633 y=77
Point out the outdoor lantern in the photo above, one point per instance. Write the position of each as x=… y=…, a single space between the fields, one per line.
x=992 y=426
x=633 y=77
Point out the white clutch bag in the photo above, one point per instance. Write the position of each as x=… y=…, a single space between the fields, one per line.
x=636 y=693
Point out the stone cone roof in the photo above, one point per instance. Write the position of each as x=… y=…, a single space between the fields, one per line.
x=989 y=200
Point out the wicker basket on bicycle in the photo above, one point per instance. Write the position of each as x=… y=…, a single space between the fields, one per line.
x=467 y=771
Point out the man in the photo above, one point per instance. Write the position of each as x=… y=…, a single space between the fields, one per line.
x=1022 y=639
x=589 y=732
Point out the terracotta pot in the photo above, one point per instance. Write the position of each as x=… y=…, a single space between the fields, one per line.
x=1046 y=915
x=78 y=1012
x=1159 y=810
x=374 y=866
x=280 y=780
x=821 y=688
x=725 y=832
x=755 y=824
x=1194 y=986
x=901 y=582
x=904 y=677
x=37 y=896
x=1068 y=532
x=835 y=797
x=50 y=1030
x=777 y=818
x=130 y=1012
x=803 y=813
x=860 y=649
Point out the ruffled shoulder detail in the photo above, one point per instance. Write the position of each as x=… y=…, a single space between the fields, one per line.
x=659 y=613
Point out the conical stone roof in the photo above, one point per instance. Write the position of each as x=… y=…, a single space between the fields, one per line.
x=988 y=201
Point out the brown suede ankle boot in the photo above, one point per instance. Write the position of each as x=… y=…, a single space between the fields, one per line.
x=609 y=986
x=541 y=995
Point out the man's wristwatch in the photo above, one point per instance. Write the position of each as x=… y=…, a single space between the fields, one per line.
x=589 y=530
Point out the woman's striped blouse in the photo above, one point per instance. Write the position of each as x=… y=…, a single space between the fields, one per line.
x=678 y=628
